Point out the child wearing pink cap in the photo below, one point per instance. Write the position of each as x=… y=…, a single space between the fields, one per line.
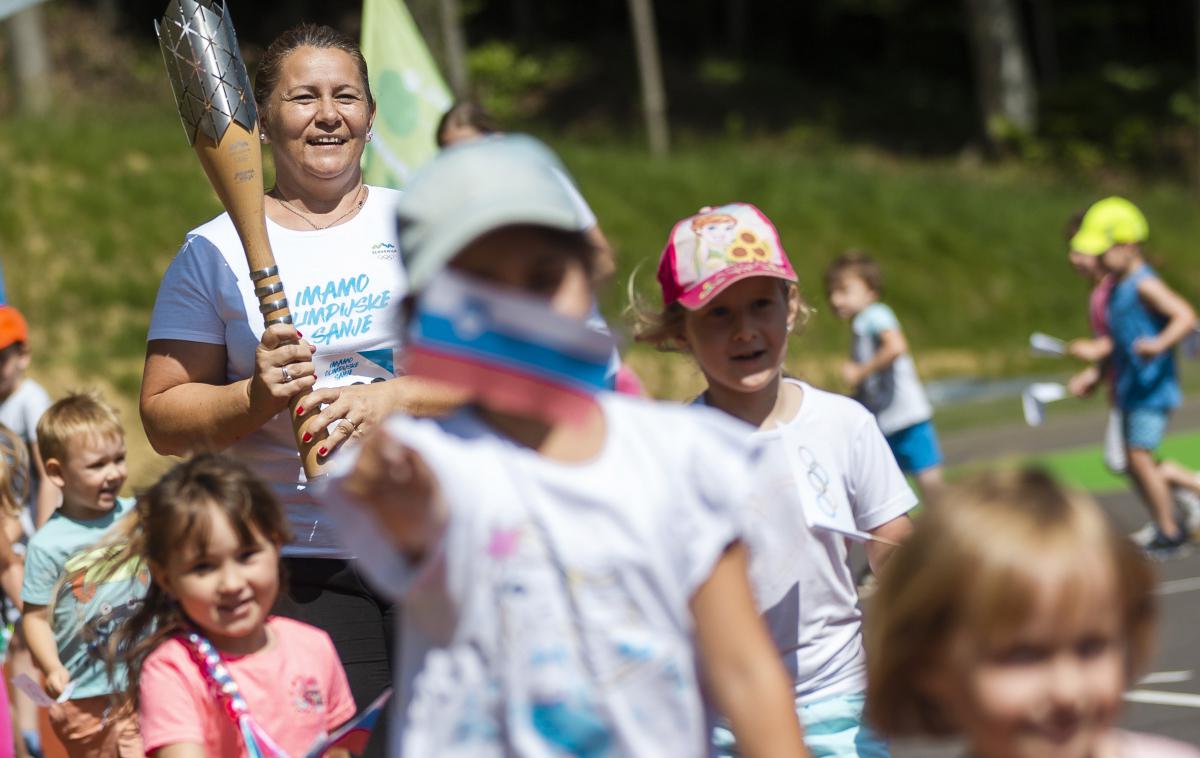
x=730 y=300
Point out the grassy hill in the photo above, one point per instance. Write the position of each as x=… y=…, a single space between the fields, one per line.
x=97 y=202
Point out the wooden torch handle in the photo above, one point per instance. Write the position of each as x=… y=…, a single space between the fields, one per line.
x=234 y=168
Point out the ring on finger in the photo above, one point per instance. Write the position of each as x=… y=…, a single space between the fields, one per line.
x=287 y=375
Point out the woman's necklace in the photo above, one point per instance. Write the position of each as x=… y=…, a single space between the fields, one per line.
x=358 y=204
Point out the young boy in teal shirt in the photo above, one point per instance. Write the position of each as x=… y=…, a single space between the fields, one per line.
x=83 y=446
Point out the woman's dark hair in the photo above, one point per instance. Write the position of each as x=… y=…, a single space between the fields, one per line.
x=465 y=113
x=175 y=513
x=305 y=35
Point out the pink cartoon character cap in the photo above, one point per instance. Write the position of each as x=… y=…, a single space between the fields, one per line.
x=716 y=247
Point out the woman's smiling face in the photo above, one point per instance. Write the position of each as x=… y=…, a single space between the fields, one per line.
x=318 y=115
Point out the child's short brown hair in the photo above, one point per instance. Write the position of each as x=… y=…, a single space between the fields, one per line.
x=855 y=263
x=974 y=564
x=76 y=415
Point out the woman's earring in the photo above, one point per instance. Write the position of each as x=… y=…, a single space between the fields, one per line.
x=262 y=138
x=370 y=134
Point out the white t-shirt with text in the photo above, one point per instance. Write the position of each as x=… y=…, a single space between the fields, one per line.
x=344 y=285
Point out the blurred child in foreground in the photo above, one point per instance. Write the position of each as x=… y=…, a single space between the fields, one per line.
x=1014 y=618
x=569 y=558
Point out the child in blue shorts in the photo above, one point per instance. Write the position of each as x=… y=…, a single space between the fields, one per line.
x=881 y=370
x=1146 y=319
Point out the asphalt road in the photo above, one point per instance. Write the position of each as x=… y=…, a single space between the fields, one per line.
x=1167 y=701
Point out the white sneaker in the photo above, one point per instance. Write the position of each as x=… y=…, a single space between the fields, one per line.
x=1144 y=536
x=1188 y=503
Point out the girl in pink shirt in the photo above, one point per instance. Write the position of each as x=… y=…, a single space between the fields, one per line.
x=1013 y=617
x=216 y=673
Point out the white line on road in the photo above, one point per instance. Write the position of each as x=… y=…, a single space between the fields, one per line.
x=1167 y=677
x=1153 y=697
x=1176 y=586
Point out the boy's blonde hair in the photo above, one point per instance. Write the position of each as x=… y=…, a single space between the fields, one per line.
x=975 y=563
x=14 y=472
x=79 y=414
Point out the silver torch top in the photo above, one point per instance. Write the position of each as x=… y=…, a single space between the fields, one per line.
x=205 y=67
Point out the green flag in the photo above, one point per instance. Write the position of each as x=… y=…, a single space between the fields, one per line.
x=409 y=90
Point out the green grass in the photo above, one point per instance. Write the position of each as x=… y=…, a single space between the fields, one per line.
x=97 y=202
x=1084 y=467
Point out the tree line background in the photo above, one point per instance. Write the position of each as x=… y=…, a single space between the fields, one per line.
x=1087 y=84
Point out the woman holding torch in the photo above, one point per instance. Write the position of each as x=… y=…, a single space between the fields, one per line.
x=217 y=379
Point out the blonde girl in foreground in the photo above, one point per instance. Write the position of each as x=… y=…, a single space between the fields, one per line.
x=1014 y=617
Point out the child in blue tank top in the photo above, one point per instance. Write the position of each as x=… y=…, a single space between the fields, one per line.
x=1146 y=320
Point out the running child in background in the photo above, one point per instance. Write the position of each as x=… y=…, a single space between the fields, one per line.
x=568 y=558
x=1015 y=619
x=210 y=532
x=1146 y=319
x=881 y=370
x=1097 y=351
x=730 y=300
x=67 y=625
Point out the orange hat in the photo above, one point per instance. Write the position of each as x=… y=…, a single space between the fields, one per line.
x=13 y=328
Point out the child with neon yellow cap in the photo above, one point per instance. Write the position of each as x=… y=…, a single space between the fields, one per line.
x=1146 y=319
x=1097 y=352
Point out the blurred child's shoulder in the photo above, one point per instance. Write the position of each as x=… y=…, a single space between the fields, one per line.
x=672 y=418
x=1138 y=745
x=461 y=426
x=880 y=310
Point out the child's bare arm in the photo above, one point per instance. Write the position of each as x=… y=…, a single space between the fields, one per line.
x=1091 y=350
x=393 y=482
x=741 y=666
x=1181 y=317
x=1082 y=384
x=896 y=530
x=48 y=496
x=892 y=345
x=35 y=622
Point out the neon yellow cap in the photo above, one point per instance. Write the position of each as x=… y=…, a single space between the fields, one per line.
x=1111 y=221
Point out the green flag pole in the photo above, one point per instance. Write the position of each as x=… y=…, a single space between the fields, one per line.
x=409 y=90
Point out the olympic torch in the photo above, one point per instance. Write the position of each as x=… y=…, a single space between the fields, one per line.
x=216 y=104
